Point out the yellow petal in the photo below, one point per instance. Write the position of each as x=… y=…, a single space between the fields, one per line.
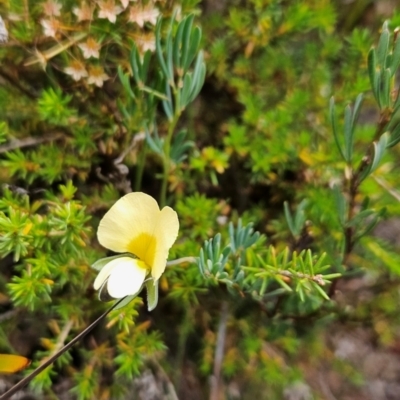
x=126 y=278
x=165 y=232
x=130 y=220
x=10 y=363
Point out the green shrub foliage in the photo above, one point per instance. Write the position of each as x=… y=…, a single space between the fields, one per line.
x=269 y=126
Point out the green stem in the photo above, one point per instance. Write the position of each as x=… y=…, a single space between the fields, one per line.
x=189 y=259
x=166 y=158
x=140 y=167
x=184 y=331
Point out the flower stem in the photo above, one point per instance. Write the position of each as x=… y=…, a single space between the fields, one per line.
x=190 y=260
x=166 y=158
x=140 y=167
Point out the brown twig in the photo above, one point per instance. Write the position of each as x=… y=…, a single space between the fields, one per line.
x=219 y=352
x=30 y=141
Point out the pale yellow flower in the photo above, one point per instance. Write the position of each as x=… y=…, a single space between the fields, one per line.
x=90 y=48
x=142 y=14
x=109 y=10
x=84 y=12
x=137 y=227
x=51 y=8
x=97 y=76
x=77 y=70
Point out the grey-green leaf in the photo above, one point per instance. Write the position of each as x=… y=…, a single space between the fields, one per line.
x=152 y=294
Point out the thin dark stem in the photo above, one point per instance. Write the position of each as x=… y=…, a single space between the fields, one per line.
x=23 y=382
x=349 y=240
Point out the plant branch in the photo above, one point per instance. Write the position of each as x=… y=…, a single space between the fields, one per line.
x=166 y=159
x=178 y=261
x=219 y=352
x=29 y=141
x=319 y=278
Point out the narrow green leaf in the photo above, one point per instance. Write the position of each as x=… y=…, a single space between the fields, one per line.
x=309 y=261
x=356 y=110
x=201 y=76
x=169 y=48
x=124 y=78
x=383 y=45
x=186 y=40
x=360 y=218
x=126 y=300
x=123 y=109
x=193 y=48
x=390 y=259
x=348 y=134
x=340 y=204
x=155 y=144
x=177 y=44
x=394 y=136
x=159 y=51
x=372 y=69
x=320 y=290
x=395 y=61
x=167 y=104
x=332 y=118
x=385 y=92
x=379 y=151
x=185 y=91
x=198 y=77
x=300 y=216
x=378 y=79
x=300 y=291
x=318 y=264
x=135 y=64
x=263 y=287
x=283 y=284
x=332 y=276
x=289 y=219
x=145 y=65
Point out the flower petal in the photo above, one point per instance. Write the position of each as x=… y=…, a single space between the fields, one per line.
x=106 y=271
x=126 y=278
x=132 y=217
x=100 y=264
x=165 y=232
